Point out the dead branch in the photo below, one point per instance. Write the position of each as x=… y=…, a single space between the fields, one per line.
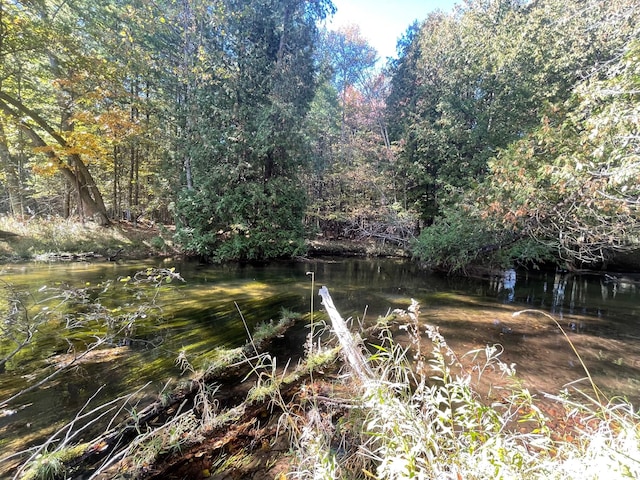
x=351 y=348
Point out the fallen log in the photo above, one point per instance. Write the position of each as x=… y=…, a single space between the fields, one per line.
x=254 y=442
x=254 y=423
x=251 y=427
x=351 y=347
x=107 y=446
x=67 y=257
x=237 y=411
x=251 y=431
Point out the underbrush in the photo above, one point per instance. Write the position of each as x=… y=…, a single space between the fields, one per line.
x=392 y=410
x=416 y=413
x=27 y=239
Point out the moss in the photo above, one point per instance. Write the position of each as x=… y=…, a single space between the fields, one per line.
x=268 y=330
x=240 y=460
x=221 y=359
x=264 y=390
x=52 y=465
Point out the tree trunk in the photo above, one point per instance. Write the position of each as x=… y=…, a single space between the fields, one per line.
x=132 y=155
x=116 y=210
x=66 y=203
x=12 y=176
x=82 y=180
x=95 y=209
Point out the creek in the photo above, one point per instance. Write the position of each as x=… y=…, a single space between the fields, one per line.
x=599 y=313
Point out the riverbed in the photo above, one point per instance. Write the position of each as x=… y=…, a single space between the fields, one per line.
x=216 y=304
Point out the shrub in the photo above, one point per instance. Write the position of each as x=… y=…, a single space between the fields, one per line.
x=252 y=221
x=459 y=239
x=452 y=242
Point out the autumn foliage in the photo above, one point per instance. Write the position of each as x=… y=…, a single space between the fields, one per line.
x=516 y=121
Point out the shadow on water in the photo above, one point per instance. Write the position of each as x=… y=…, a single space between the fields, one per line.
x=599 y=313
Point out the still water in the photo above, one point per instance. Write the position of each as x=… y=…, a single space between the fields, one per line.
x=599 y=313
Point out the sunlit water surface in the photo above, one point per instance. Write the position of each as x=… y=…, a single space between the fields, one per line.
x=599 y=314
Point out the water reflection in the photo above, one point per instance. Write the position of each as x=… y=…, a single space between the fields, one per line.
x=505 y=285
x=566 y=293
x=598 y=312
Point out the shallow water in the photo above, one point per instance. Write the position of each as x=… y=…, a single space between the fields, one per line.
x=598 y=313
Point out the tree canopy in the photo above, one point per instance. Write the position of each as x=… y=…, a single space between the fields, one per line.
x=509 y=123
x=513 y=132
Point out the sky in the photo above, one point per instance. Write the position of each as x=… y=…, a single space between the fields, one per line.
x=382 y=22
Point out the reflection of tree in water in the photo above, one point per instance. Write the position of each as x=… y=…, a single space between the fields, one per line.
x=578 y=294
x=505 y=285
x=559 y=287
x=509 y=284
x=591 y=295
x=567 y=293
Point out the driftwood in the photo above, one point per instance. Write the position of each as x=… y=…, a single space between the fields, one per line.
x=351 y=348
x=396 y=231
x=67 y=257
x=254 y=427
x=118 y=438
x=112 y=257
x=79 y=257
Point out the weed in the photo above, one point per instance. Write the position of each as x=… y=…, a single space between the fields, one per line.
x=45 y=467
x=420 y=416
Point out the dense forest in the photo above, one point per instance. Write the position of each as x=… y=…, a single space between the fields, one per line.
x=504 y=132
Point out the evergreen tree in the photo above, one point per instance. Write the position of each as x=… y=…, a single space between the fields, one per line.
x=245 y=201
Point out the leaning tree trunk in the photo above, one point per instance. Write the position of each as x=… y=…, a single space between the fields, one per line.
x=89 y=196
x=82 y=179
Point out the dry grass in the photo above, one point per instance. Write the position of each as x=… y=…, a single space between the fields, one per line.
x=429 y=423
x=43 y=239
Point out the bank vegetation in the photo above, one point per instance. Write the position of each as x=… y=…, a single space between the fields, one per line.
x=505 y=132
